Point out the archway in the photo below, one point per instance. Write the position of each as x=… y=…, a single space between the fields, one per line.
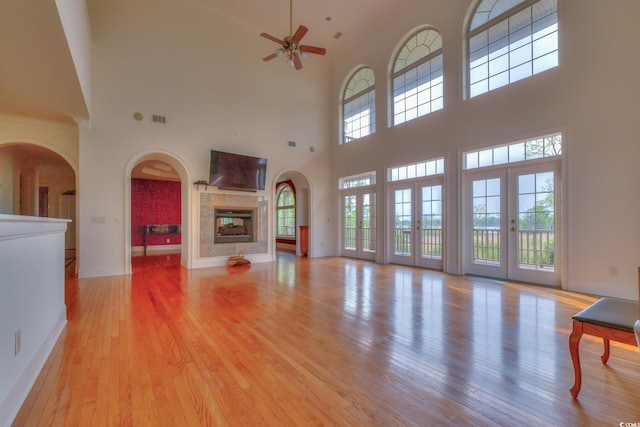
x=160 y=165
x=39 y=180
x=285 y=241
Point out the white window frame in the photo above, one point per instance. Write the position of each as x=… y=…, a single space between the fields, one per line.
x=419 y=65
x=282 y=188
x=359 y=101
x=503 y=47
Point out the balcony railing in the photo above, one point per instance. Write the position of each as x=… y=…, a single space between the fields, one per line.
x=430 y=241
x=536 y=248
x=368 y=239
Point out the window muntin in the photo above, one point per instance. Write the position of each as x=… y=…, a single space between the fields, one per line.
x=417 y=77
x=286 y=212
x=547 y=146
x=360 y=180
x=510 y=40
x=416 y=170
x=359 y=106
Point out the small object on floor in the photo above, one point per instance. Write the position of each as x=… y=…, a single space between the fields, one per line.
x=237 y=260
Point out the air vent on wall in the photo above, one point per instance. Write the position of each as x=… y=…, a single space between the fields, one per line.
x=159 y=119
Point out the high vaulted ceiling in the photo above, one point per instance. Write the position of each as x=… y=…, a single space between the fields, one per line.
x=325 y=19
x=37 y=74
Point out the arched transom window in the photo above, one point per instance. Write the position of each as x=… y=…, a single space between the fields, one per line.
x=417 y=77
x=509 y=40
x=359 y=105
x=286 y=212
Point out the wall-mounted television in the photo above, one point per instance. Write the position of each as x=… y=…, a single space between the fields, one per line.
x=229 y=171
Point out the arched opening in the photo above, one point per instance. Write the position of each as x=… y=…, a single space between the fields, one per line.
x=292 y=219
x=156 y=204
x=35 y=180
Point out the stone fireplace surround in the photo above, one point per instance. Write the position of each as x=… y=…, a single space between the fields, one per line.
x=209 y=202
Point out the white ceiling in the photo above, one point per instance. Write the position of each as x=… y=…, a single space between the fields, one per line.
x=352 y=18
x=37 y=74
x=155 y=170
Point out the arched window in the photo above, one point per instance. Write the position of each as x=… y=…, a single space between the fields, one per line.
x=286 y=211
x=509 y=40
x=359 y=105
x=417 y=77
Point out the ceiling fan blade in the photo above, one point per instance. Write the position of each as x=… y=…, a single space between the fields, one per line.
x=313 y=49
x=270 y=57
x=300 y=32
x=270 y=37
x=297 y=61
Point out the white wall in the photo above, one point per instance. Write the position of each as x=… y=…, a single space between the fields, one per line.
x=31 y=303
x=60 y=138
x=57 y=179
x=591 y=97
x=75 y=21
x=6 y=183
x=205 y=73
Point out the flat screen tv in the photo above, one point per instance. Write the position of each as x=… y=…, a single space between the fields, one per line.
x=229 y=171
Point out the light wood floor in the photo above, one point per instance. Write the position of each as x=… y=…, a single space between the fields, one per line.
x=328 y=341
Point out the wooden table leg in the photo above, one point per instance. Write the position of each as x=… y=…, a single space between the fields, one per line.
x=574 y=343
x=605 y=353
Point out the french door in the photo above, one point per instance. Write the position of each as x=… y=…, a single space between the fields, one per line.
x=359 y=237
x=512 y=223
x=416 y=236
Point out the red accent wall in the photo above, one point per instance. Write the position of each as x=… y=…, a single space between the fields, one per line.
x=154 y=202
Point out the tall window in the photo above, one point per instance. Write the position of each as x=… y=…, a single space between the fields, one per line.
x=509 y=40
x=359 y=105
x=417 y=77
x=286 y=212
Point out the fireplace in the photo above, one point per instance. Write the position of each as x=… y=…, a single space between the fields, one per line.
x=215 y=206
x=234 y=225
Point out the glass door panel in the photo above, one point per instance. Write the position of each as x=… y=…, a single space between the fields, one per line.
x=402 y=222
x=368 y=223
x=484 y=234
x=349 y=224
x=359 y=237
x=430 y=240
x=417 y=232
x=533 y=225
x=511 y=224
x=487 y=232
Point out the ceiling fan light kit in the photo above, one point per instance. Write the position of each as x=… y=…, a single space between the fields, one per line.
x=291 y=46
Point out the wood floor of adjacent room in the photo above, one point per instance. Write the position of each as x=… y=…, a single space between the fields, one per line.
x=328 y=341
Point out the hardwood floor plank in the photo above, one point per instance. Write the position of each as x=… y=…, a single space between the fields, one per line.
x=330 y=341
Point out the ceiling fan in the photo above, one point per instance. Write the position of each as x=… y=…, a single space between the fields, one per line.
x=290 y=45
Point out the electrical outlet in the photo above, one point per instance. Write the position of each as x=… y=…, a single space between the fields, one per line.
x=17 y=342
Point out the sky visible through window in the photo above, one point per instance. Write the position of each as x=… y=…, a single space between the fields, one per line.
x=515 y=48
